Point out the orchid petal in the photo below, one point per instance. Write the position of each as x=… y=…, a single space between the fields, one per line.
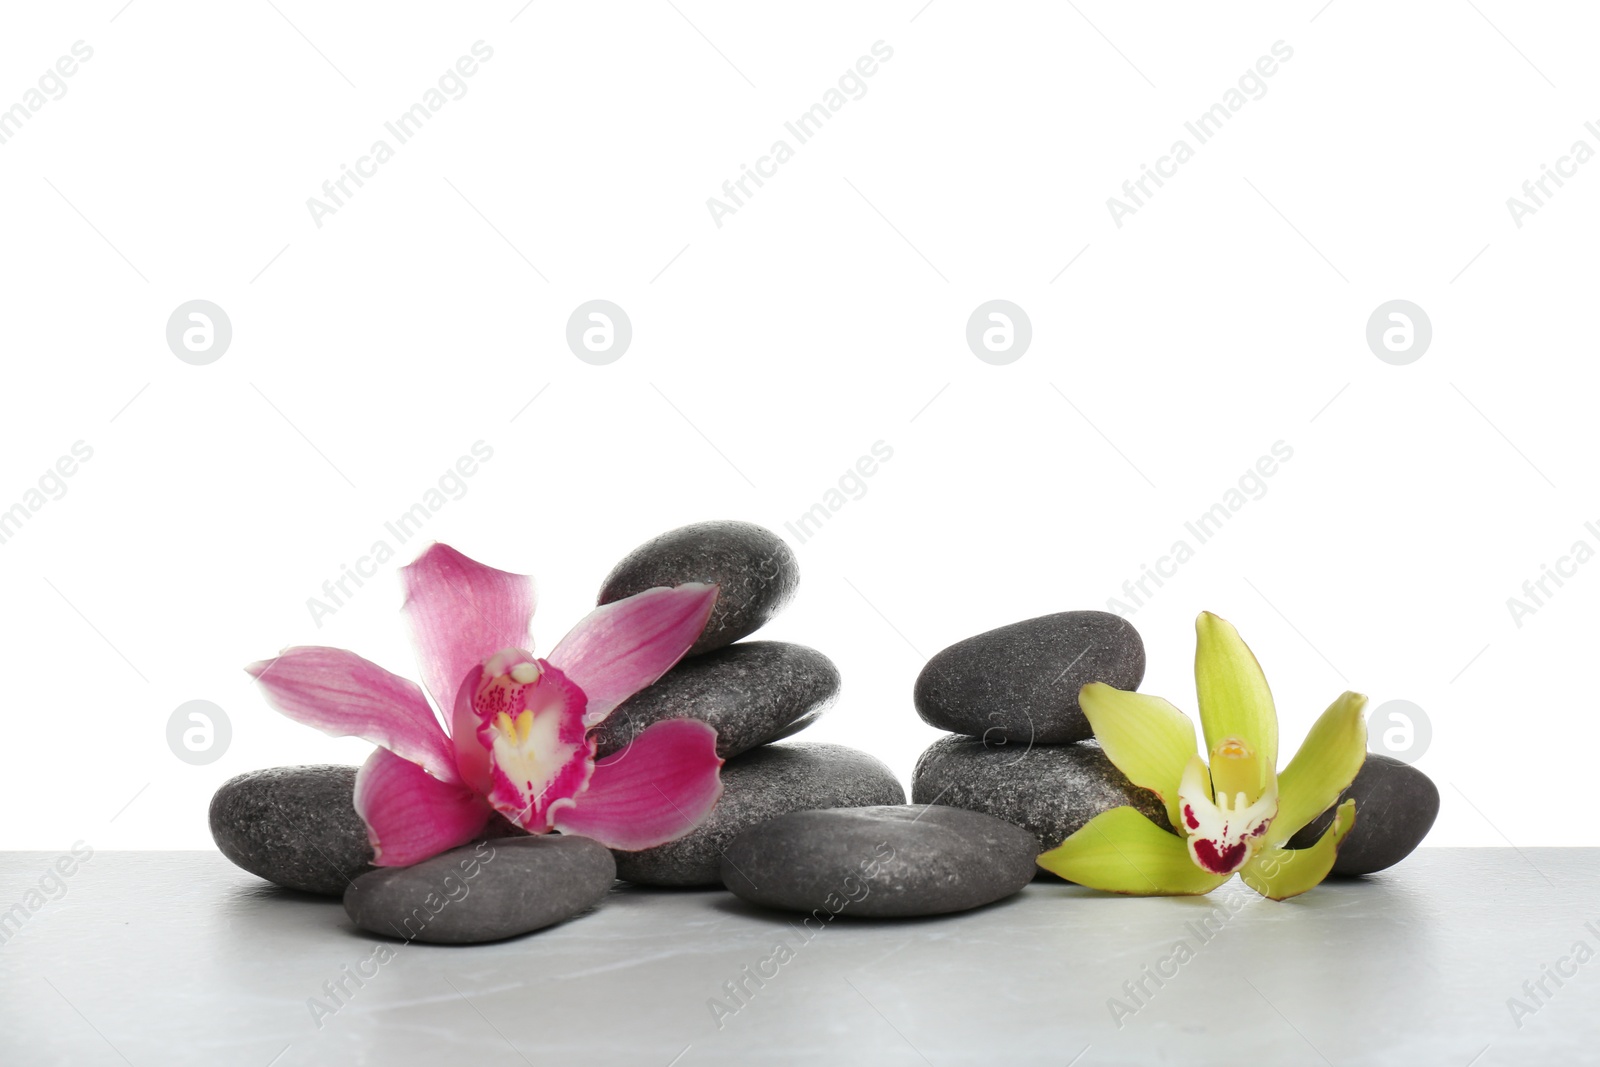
x=1147 y=738
x=1281 y=873
x=460 y=613
x=1328 y=761
x=530 y=721
x=654 y=791
x=1121 y=851
x=411 y=815
x=1235 y=702
x=342 y=694
x=621 y=647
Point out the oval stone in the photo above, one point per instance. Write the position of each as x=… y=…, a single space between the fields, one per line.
x=1049 y=790
x=753 y=568
x=1395 y=808
x=294 y=826
x=762 y=784
x=751 y=693
x=880 y=862
x=1020 y=682
x=485 y=891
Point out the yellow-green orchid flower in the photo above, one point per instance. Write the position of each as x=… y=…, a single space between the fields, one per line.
x=1236 y=815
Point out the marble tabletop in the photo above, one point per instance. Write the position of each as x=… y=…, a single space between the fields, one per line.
x=1456 y=957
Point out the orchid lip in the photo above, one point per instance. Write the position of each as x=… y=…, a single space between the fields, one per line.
x=1224 y=832
x=530 y=722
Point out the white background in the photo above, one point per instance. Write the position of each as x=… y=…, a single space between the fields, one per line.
x=769 y=354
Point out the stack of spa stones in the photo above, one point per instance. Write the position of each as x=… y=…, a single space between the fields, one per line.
x=1021 y=749
x=297 y=827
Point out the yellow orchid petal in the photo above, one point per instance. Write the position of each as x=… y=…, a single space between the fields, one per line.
x=1326 y=764
x=1121 y=851
x=1235 y=702
x=1281 y=873
x=1147 y=738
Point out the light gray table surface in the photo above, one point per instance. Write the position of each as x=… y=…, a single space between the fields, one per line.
x=156 y=958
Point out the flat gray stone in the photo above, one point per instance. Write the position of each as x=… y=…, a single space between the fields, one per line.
x=754 y=569
x=484 y=891
x=880 y=862
x=751 y=693
x=294 y=826
x=762 y=784
x=1049 y=790
x=1395 y=808
x=1020 y=682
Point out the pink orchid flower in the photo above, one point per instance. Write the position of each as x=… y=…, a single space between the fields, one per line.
x=519 y=739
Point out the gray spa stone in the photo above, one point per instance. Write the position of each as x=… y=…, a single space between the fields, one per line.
x=485 y=891
x=754 y=569
x=295 y=826
x=751 y=693
x=762 y=784
x=880 y=862
x=1020 y=682
x=1049 y=790
x=1395 y=808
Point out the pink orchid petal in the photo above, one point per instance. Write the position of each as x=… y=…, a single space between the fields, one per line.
x=461 y=612
x=621 y=647
x=342 y=694
x=410 y=814
x=654 y=791
x=540 y=756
